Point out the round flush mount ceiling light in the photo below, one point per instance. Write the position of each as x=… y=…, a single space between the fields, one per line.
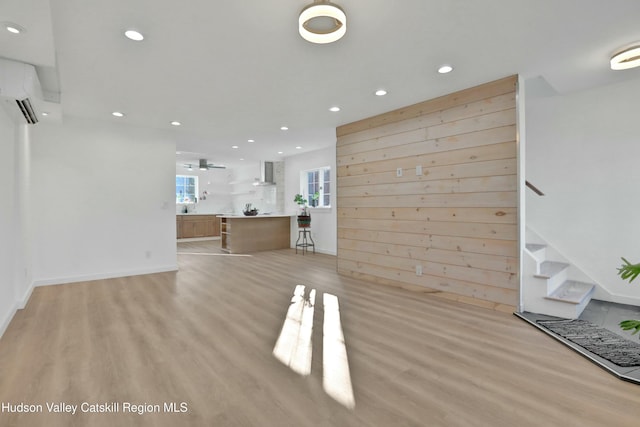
x=334 y=109
x=444 y=69
x=322 y=22
x=117 y=114
x=134 y=35
x=175 y=123
x=627 y=58
x=381 y=92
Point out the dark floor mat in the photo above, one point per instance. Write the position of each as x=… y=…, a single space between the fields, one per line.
x=597 y=340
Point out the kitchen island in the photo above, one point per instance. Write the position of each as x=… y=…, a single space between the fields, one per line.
x=244 y=234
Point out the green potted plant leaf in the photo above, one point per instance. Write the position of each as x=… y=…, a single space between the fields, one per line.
x=629 y=271
x=314 y=199
x=304 y=219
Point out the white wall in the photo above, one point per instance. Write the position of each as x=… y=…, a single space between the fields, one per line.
x=231 y=189
x=583 y=152
x=323 y=221
x=263 y=198
x=103 y=201
x=213 y=181
x=7 y=219
x=23 y=243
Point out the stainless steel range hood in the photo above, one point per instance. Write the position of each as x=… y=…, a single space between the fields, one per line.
x=266 y=174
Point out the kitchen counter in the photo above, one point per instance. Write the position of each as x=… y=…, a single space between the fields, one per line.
x=243 y=234
x=255 y=216
x=197 y=213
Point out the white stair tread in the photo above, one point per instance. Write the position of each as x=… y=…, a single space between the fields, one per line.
x=549 y=269
x=534 y=247
x=572 y=292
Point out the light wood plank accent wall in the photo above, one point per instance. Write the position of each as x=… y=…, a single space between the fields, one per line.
x=458 y=220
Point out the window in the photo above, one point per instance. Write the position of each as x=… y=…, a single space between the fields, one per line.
x=316 y=182
x=186 y=189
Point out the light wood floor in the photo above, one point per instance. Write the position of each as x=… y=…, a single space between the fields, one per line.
x=205 y=336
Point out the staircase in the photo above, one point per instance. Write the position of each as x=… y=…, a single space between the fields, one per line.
x=551 y=285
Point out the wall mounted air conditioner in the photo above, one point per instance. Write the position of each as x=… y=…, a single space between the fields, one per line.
x=20 y=88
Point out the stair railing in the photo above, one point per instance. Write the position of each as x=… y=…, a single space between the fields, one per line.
x=534 y=188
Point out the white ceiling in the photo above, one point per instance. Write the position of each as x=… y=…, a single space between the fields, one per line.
x=237 y=70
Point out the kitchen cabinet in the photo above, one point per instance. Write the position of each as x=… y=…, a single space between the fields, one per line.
x=191 y=226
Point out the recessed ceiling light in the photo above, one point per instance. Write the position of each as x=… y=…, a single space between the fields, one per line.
x=178 y=152
x=251 y=140
x=13 y=28
x=280 y=152
x=444 y=69
x=381 y=92
x=628 y=58
x=134 y=35
x=175 y=123
x=117 y=114
x=298 y=147
x=45 y=114
x=241 y=158
x=234 y=146
x=284 y=128
x=334 y=109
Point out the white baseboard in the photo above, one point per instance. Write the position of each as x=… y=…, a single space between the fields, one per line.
x=100 y=276
x=19 y=304
x=622 y=299
x=4 y=324
x=22 y=302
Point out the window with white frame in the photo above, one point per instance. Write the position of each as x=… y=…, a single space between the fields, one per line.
x=186 y=189
x=315 y=186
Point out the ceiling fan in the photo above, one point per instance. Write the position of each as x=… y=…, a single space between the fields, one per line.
x=204 y=165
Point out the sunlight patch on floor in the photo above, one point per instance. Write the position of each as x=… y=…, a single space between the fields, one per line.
x=336 y=378
x=294 y=347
